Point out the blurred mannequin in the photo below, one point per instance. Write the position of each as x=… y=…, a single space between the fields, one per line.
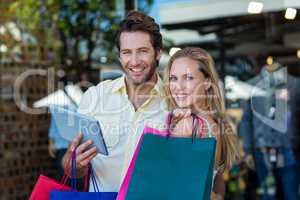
x=267 y=134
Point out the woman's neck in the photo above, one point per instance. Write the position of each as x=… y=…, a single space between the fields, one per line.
x=201 y=108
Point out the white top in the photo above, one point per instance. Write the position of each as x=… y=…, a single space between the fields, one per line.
x=121 y=126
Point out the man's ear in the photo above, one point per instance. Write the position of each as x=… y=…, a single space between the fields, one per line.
x=158 y=54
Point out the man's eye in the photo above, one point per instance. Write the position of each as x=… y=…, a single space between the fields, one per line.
x=144 y=51
x=125 y=52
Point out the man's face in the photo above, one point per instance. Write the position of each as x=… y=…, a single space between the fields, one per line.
x=138 y=57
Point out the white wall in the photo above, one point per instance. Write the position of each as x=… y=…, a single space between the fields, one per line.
x=202 y=10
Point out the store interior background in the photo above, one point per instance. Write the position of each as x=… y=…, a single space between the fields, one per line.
x=241 y=38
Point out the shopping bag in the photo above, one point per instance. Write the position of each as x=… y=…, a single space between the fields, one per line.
x=147 y=130
x=76 y=195
x=45 y=185
x=169 y=168
x=124 y=186
x=83 y=195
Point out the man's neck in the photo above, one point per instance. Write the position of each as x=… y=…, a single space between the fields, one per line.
x=139 y=93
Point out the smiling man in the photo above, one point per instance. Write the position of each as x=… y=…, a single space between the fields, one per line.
x=125 y=105
x=137 y=57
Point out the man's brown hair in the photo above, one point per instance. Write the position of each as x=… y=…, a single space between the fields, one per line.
x=138 y=21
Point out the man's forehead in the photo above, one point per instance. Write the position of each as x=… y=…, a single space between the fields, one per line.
x=134 y=40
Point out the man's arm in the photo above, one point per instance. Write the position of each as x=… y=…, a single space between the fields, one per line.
x=83 y=154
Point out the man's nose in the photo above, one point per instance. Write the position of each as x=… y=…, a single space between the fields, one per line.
x=134 y=59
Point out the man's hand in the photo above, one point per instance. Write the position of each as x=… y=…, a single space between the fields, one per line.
x=83 y=156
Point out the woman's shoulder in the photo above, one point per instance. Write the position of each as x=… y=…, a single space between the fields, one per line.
x=210 y=127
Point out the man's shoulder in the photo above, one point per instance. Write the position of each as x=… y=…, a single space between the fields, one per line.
x=97 y=95
x=106 y=86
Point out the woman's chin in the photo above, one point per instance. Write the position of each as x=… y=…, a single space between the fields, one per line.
x=183 y=105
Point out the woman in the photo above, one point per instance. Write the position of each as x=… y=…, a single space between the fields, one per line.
x=193 y=89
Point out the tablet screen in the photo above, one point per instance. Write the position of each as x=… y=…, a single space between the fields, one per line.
x=70 y=123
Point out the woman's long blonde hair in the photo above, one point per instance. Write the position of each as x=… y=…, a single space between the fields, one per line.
x=216 y=105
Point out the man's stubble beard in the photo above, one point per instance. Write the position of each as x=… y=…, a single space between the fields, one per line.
x=147 y=76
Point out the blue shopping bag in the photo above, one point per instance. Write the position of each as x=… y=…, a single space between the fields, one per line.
x=75 y=195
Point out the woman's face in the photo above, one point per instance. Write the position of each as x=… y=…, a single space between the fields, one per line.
x=187 y=83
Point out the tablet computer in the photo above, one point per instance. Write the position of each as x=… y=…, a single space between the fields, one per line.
x=70 y=123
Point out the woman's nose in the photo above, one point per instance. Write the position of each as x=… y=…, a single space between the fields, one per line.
x=180 y=85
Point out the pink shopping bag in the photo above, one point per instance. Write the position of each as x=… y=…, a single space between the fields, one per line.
x=124 y=187
x=43 y=187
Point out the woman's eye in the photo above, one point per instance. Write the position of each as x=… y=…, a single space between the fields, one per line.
x=172 y=78
x=189 y=78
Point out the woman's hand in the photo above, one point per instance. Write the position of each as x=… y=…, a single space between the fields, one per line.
x=182 y=112
x=216 y=196
x=182 y=123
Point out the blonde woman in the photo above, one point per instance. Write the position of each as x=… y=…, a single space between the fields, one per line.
x=192 y=87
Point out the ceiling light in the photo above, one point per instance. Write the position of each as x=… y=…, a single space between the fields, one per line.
x=255 y=7
x=290 y=13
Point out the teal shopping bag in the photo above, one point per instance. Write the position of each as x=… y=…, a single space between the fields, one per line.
x=169 y=168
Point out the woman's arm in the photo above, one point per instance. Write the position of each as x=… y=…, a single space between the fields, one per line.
x=218 y=192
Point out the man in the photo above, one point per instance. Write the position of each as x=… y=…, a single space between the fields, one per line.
x=124 y=106
x=267 y=132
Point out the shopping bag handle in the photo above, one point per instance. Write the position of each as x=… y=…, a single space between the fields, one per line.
x=94 y=182
x=71 y=172
x=202 y=121
x=89 y=171
x=197 y=123
x=196 y=127
x=65 y=178
x=74 y=171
